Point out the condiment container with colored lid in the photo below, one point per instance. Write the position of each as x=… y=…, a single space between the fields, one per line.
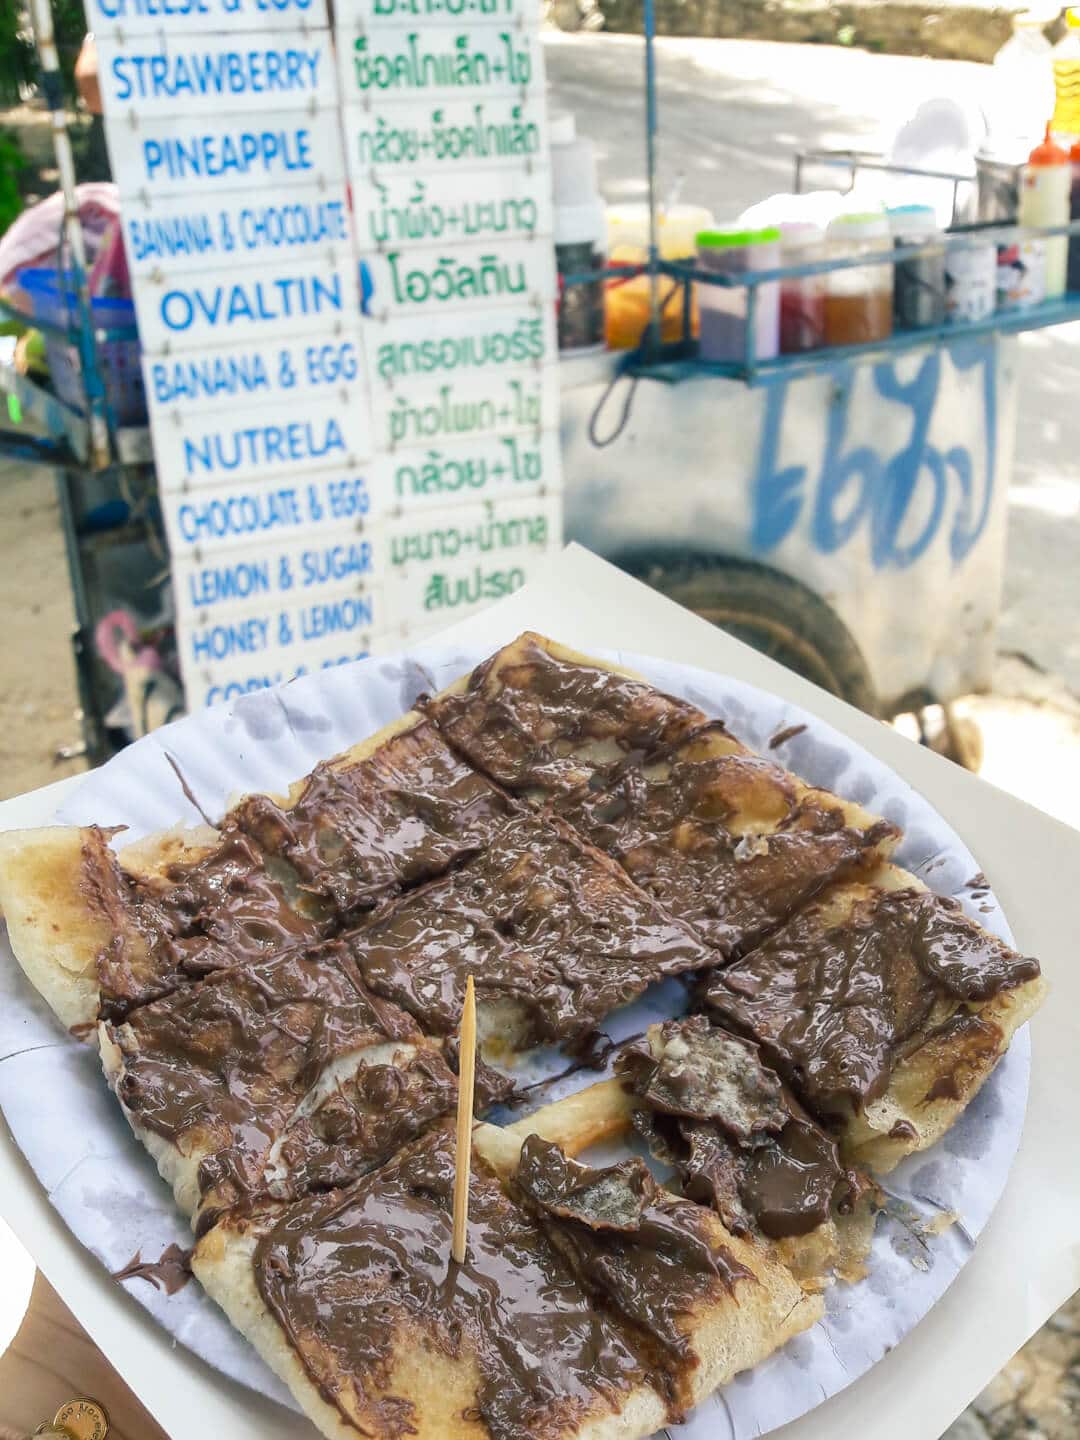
x=802 y=297
x=858 y=298
x=1072 y=277
x=1044 y=200
x=724 y=309
x=919 y=281
x=627 y=301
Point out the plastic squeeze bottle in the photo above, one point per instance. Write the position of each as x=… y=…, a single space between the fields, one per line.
x=1074 y=214
x=1044 y=200
x=1066 y=61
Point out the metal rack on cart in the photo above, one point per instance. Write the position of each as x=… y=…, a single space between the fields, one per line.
x=689 y=448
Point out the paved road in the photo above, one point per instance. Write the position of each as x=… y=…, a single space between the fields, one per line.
x=732 y=115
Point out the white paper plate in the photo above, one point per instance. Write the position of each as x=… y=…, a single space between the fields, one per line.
x=108 y=1191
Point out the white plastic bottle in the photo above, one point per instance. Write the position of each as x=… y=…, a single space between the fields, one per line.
x=1021 y=82
x=1044 y=200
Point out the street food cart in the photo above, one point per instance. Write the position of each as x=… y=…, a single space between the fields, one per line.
x=843 y=510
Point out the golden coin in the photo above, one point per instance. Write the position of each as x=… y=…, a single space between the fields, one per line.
x=82 y=1420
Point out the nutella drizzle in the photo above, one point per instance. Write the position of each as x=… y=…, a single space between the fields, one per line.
x=561 y=1319
x=235 y=1062
x=348 y=1274
x=359 y=833
x=552 y=932
x=170 y=1272
x=735 y=1135
x=832 y=1005
x=673 y=820
x=534 y=722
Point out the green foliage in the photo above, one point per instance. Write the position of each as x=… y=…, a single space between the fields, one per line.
x=11 y=163
x=18 y=61
x=19 y=69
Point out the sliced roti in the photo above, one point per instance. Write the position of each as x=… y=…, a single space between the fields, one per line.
x=730 y=841
x=539 y=718
x=884 y=1007
x=379 y=819
x=554 y=934
x=99 y=932
x=273 y=1079
x=355 y=1302
x=736 y=1141
x=706 y=1104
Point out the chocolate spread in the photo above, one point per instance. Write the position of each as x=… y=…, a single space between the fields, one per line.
x=360 y=832
x=349 y=1275
x=736 y=1137
x=170 y=1272
x=554 y=934
x=650 y=1257
x=833 y=1004
x=677 y=821
x=241 y=1062
x=231 y=906
x=531 y=721
x=276 y=878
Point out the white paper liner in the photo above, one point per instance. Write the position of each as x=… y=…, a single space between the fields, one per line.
x=107 y=1188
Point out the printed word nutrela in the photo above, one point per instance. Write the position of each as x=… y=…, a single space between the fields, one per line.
x=232 y=72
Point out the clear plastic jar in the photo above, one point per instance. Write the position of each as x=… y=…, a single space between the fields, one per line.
x=724 y=308
x=802 y=299
x=918 y=283
x=859 y=298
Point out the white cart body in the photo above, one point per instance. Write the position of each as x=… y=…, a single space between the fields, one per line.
x=880 y=484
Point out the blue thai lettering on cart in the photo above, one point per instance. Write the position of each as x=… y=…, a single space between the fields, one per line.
x=856 y=487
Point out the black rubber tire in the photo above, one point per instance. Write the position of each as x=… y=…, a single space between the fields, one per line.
x=776 y=615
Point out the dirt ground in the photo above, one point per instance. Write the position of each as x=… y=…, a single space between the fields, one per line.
x=38 y=696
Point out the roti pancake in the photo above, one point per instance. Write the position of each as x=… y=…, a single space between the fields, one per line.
x=554 y=934
x=277 y=1002
x=731 y=842
x=539 y=718
x=273 y=1079
x=884 y=1007
x=362 y=828
x=353 y=1299
x=99 y=932
x=735 y=1140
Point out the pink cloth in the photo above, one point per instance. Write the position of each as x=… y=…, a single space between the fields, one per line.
x=33 y=240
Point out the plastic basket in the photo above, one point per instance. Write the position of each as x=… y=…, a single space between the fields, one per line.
x=119 y=360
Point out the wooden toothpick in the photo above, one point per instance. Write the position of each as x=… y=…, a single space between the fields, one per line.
x=466 y=1085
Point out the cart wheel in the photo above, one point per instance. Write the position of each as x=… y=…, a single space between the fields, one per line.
x=772 y=612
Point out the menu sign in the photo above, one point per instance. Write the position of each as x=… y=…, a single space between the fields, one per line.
x=447 y=155
x=340 y=248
